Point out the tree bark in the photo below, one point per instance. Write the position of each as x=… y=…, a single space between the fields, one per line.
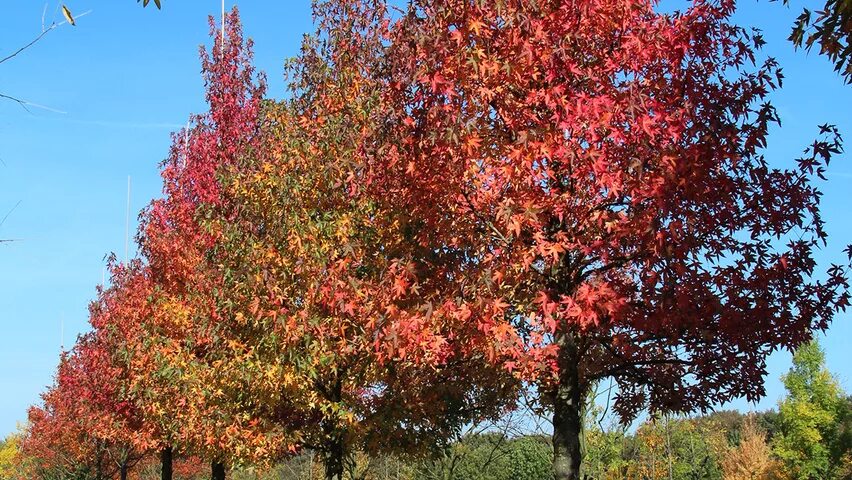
x=217 y=470
x=123 y=471
x=335 y=449
x=166 y=462
x=334 y=458
x=99 y=466
x=567 y=408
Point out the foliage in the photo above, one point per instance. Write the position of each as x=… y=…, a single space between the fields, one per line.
x=146 y=2
x=752 y=459
x=843 y=446
x=58 y=442
x=490 y=456
x=9 y=457
x=456 y=202
x=194 y=377
x=677 y=449
x=311 y=285
x=809 y=440
x=529 y=459
x=184 y=468
x=594 y=174
x=831 y=28
x=604 y=446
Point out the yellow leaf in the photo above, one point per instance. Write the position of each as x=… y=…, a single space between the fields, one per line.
x=68 y=16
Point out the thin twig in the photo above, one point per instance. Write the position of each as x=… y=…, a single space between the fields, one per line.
x=24 y=104
x=20 y=102
x=40 y=36
x=9 y=213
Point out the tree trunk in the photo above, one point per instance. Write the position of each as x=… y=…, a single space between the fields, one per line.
x=567 y=408
x=123 y=471
x=334 y=458
x=166 y=462
x=334 y=450
x=99 y=466
x=98 y=474
x=217 y=470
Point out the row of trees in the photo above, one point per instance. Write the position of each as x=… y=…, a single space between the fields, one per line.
x=810 y=436
x=459 y=204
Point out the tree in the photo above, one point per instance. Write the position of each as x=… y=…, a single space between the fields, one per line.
x=10 y=457
x=194 y=385
x=109 y=416
x=118 y=317
x=831 y=28
x=843 y=448
x=590 y=174
x=310 y=278
x=809 y=441
x=529 y=459
x=490 y=455
x=605 y=445
x=674 y=448
x=61 y=440
x=752 y=459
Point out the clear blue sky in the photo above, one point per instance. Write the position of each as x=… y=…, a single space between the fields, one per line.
x=126 y=77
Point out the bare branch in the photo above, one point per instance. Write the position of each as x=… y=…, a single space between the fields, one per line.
x=44 y=31
x=41 y=35
x=20 y=102
x=24 y=104
x=9 y=213
x=33 y=42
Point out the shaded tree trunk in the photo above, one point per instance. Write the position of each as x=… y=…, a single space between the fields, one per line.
x=567 y=409
x=123 y=471
x=334 y=451
x=217 y=470
x=166 y=462
x=99 y=468
x=334 y=458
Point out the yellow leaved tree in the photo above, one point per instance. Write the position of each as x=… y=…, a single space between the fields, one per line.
x=9 y=457
x=752 y=459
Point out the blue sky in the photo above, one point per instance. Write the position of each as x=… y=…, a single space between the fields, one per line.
x=126 y=77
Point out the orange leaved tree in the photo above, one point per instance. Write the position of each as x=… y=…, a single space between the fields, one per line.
x=593 y=170
x=316 y=299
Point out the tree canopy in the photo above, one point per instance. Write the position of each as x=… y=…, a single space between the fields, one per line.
x=458 y=205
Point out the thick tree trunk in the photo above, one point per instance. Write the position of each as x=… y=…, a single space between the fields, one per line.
x=123 y=471
x=567 y=408
x=166 y=462
x=334 y=459
x=217 y=470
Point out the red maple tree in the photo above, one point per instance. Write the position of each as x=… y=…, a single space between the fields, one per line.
x=84 y=425
x=311 y=281
x=193 y=384
x=460 y=199
x=120 y=317
x=592 y=171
